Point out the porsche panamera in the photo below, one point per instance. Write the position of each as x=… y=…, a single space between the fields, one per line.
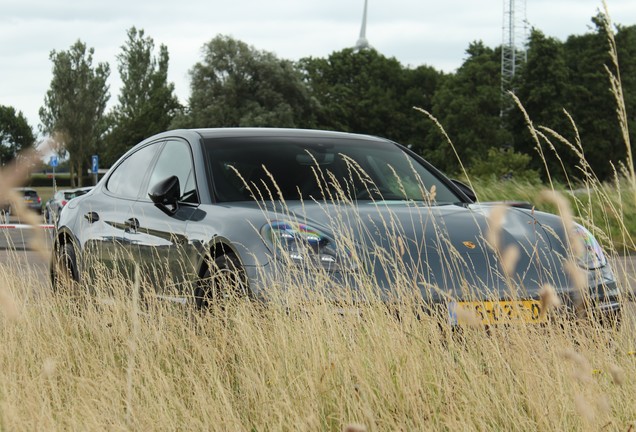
x=207 y=212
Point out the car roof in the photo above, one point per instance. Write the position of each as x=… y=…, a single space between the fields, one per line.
x=206 y=133
x=278 y=132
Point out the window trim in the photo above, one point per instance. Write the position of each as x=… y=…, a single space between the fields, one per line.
x=145 y=185
x=113 y=170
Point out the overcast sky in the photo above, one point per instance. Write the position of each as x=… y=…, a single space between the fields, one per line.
x=416 y=32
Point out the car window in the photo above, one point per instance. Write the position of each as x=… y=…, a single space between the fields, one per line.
x=30 y=194
x=175 y=159
x=308 y=168
x=128 y=176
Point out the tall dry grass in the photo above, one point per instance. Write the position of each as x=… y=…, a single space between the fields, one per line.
x=156 y=366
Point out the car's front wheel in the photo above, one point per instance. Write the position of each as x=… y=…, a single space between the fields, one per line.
x=223 y=282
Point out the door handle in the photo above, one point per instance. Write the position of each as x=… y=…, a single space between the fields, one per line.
x=91 y=217
x=132 y=225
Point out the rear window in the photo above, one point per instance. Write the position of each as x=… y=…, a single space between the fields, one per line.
x=30 y=194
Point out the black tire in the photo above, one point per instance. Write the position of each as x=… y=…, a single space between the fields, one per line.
x=64 y=274
x=223 y=282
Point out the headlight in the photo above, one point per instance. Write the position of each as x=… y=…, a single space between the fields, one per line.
x=592 y=255
x=305 y=245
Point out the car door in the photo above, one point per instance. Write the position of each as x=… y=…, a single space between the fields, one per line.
x=108 y=216
x=159 y=240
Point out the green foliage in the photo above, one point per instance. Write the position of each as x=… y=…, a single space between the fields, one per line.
x=504 y=163
x=572 y=76
x=15 y=134
x=467 y=104
x=593 y=105
x=563 y=87
x=74 y=105
x=366 y=92
x=237 y=85
x=542 y=88
x=147 y=103
x=607 y=209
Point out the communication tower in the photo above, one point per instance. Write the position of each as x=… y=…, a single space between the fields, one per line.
x=362 y=42
x=513 y=47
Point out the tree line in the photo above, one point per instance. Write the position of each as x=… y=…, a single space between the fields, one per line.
x=563 y=86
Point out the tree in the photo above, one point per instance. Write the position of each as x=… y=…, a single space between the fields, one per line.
x=74 y=105
x=237 y=85
x=543 y=90
x=365 y=92
x=147 y=103
x=467 y=104
x=593 y=105
x=15 y=134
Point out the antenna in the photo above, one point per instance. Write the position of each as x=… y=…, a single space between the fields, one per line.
x=513 y=47
x=363 y=43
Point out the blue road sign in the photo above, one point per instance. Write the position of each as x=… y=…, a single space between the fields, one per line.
x=95 y=164
x=53 y=161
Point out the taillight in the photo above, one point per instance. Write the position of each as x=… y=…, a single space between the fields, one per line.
x=39 y=200
x=64 y=203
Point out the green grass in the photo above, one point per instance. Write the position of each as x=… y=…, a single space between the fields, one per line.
x=609 y=210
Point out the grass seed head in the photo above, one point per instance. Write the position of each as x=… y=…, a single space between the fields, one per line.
x=355 y=427
x=496 y=219
x=583 y=407
x=617 y=373
x=549 y=299
x=8 y=306
x=509 y=259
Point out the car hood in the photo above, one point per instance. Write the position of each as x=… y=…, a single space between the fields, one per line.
x=443 y=249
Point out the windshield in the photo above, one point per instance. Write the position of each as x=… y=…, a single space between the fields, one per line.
x=317 y=169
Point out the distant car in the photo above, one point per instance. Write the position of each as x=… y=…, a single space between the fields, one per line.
x=54 y=206
x=81 y=191
x=31 y=199
x=211 y=213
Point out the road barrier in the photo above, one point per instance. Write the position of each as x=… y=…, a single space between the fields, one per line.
x=20 y=236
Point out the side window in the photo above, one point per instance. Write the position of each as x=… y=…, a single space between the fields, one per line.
x=127 y=178
x=175 y=159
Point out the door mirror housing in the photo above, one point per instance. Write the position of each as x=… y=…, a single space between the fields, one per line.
x=165 y=194
x=465 y=189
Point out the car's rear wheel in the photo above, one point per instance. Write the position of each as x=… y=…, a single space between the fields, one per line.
x=223 y=282
x=64 y=274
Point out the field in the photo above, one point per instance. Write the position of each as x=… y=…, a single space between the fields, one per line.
x=69 y=364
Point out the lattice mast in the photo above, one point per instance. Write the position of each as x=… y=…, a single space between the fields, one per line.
x=513 y=47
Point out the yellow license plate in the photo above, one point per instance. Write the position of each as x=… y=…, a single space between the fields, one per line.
x=496 y=312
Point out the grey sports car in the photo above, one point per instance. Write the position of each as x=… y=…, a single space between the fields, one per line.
x=202 y=213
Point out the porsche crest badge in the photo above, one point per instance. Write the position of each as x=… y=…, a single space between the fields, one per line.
x=469 y=244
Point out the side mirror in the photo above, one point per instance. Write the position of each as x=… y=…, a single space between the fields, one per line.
x=466 y=189
x=165 y=194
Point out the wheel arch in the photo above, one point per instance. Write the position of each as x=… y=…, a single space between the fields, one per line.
x=64 y=236
x=215 y=248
